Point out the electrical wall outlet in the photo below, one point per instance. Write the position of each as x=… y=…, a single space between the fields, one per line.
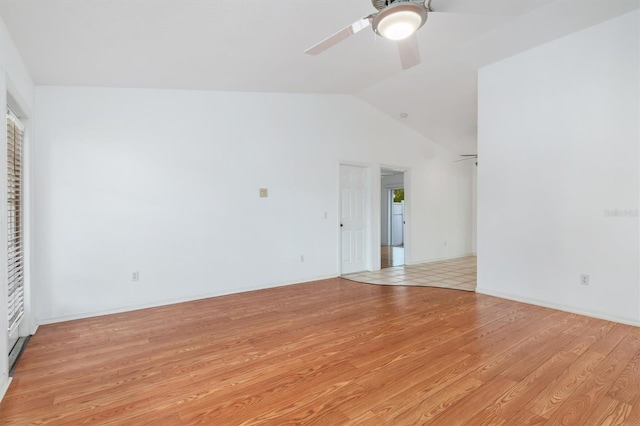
x=135 y=276
x=302 y=258
x=584 y=279
x=264 y=192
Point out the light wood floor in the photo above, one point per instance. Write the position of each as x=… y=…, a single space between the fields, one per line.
x=332 y=352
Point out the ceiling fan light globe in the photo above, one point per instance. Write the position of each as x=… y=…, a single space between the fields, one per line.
x=399 y=20
x=399 y=25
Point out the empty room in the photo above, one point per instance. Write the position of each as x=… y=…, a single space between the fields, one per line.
x=348 y=212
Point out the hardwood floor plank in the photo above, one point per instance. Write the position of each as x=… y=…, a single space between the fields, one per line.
x=385 y=389
x=578 y=408
x=261 y=397
x=333 y=417
x=333 y=352
x=508 y=353
x=627 y=387
x=367 y=418
x=634 y=415
x=525 y=417
x=317 y=407
x=462 y=412
x=151 y=420
x=591 y=336
x=508 y=327
x=538 y=358
x=426 y=409
x=580 y=326
x=609 y=412
x=428 y=386
x=559 y=390
x=610 y=340
x=508 y=404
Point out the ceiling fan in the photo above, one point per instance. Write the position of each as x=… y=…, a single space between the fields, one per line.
x=395 y=20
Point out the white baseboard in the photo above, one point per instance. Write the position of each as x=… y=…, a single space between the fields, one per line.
x=565 y=308
x=83 y=315
x=5 y=388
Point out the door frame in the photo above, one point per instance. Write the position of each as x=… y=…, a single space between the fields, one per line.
x=407 y=210
x=372 y=213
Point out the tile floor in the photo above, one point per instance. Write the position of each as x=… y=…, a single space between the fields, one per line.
x=458 y=274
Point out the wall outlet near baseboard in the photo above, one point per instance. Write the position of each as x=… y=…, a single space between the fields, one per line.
x=302 y=258
x=584 y=279
x=135 y=276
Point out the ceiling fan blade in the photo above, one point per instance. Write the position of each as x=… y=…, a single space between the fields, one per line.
x=336 y=38
x=409 y=51
x=468 y=155
x=465 y=159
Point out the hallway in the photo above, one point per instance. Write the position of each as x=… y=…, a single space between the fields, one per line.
x=391 y=256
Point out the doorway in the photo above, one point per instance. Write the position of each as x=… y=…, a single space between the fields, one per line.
x=392 y=218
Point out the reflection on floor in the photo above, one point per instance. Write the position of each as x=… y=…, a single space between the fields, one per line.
x=391 y=256
x=459 y=274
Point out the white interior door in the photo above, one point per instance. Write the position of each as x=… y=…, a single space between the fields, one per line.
x=353 y=190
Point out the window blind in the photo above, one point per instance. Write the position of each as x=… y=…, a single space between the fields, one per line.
x=15 y=257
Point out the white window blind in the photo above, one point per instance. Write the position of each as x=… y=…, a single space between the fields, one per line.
x=15 y=264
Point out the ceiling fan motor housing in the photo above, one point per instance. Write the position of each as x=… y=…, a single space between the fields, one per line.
x=381 y=4
x=398 y=19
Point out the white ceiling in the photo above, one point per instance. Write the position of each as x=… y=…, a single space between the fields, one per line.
x=258 y=45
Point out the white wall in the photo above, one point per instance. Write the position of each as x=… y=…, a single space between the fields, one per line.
x=559 y=143
x=133 y=179
x=16 y=88
x=439 y=218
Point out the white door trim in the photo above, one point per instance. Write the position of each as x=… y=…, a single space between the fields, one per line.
x=372 y=206
x=407 y=211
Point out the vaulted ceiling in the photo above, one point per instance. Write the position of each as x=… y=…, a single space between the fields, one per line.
x=258 y=45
